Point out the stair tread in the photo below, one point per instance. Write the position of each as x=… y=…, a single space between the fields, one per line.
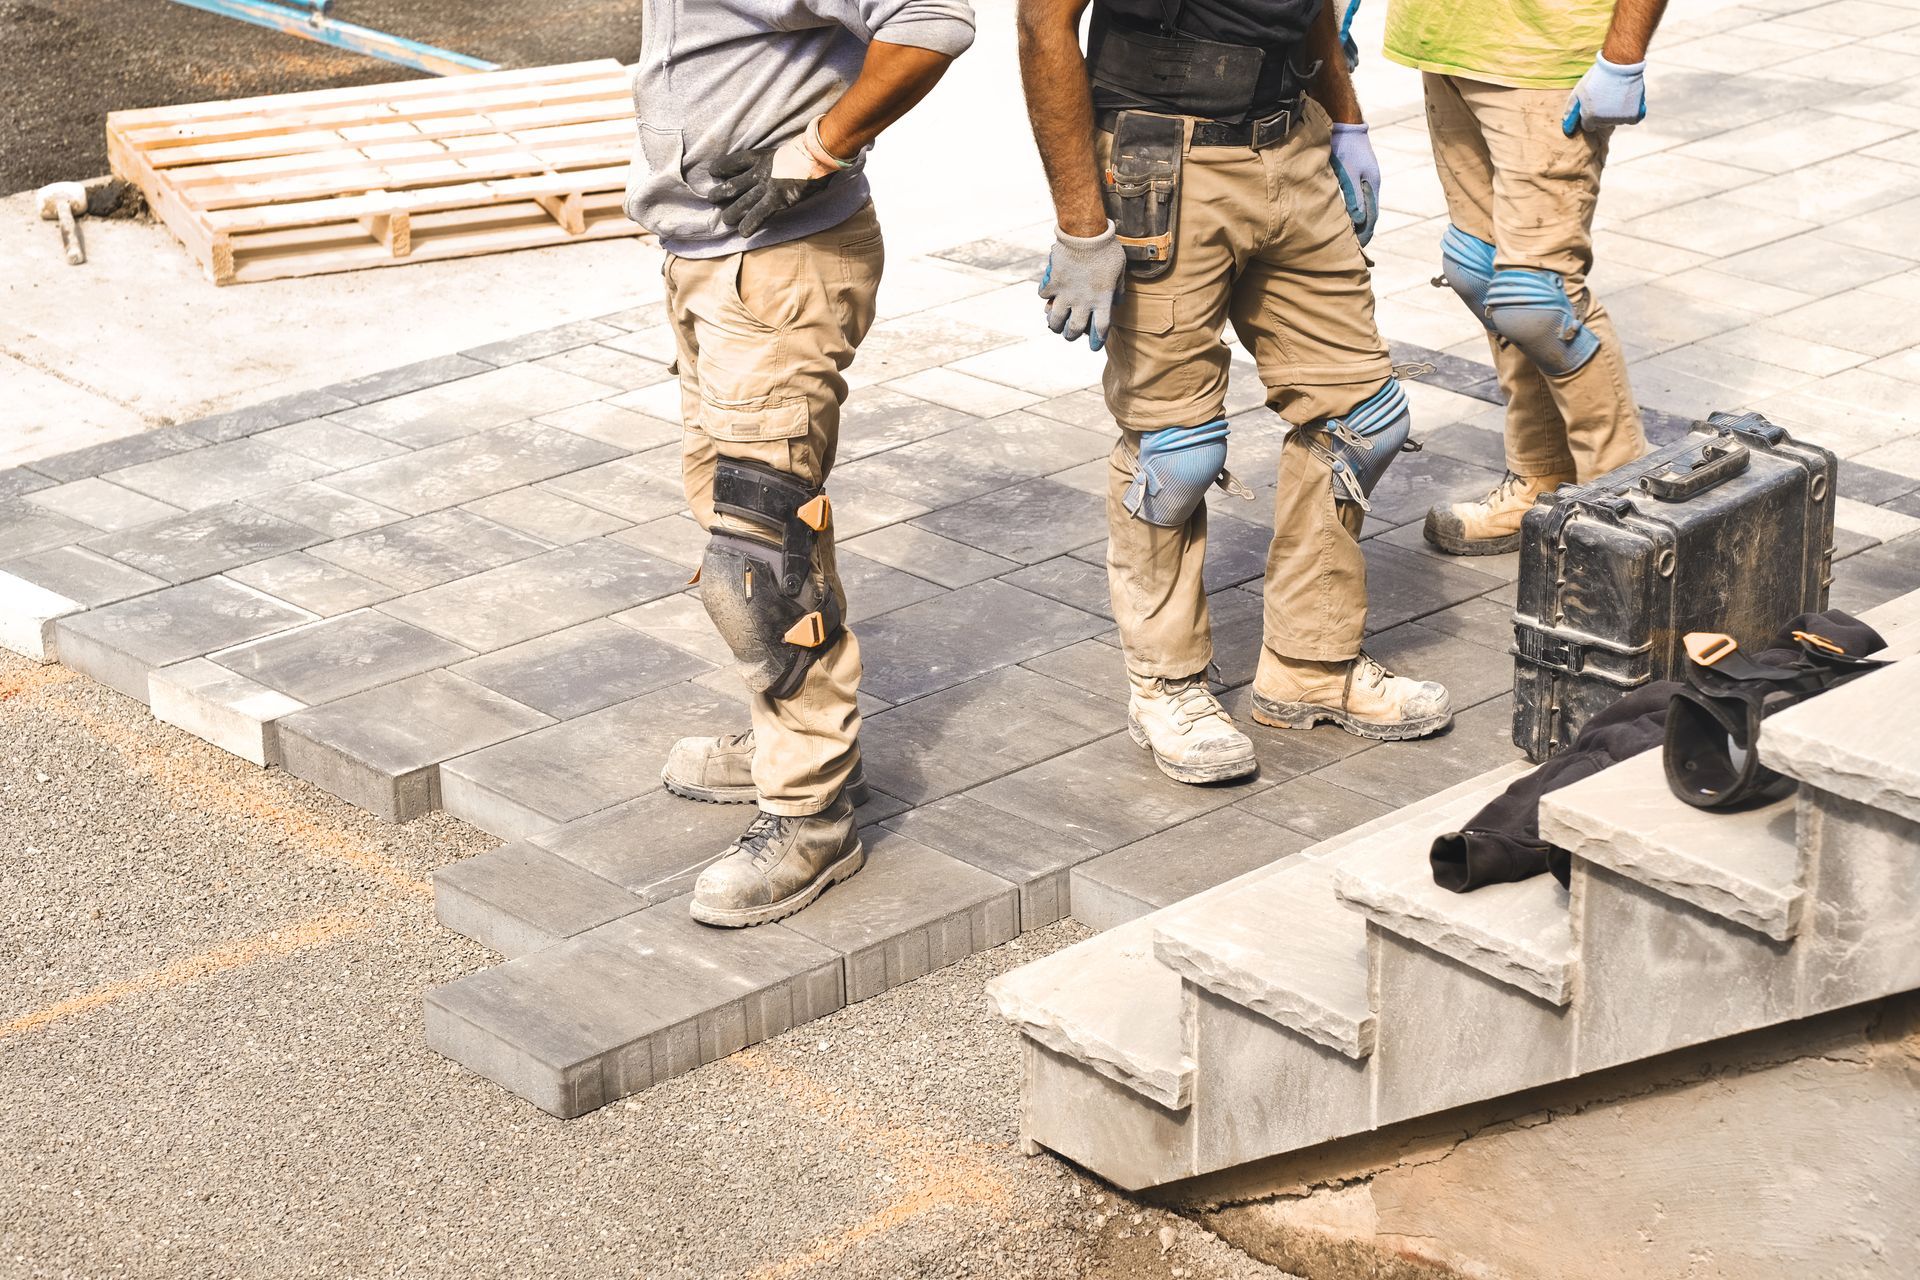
x=1110 y=1004
x=1858 y=741
x=1745 y=867
x=1517 y=933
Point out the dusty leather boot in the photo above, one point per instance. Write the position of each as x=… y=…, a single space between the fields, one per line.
x=1489 y=526
x=720 y=771
x=1359 y=695
x=779 y=866
x=1190 y=734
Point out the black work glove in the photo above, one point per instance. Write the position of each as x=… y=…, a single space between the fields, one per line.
x=758 y=183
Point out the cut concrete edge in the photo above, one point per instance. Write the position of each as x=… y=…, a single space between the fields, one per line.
x=493 y=1057
x=221 y=707
x=27 y=613
x=1028 y=998
x=1584 y=819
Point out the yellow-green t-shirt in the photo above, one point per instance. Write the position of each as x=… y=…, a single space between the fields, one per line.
x=1525 y=44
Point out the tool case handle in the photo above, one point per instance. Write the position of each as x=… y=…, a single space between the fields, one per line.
x=1719 y=461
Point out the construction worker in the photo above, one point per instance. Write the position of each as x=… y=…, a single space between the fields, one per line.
x=1520 y=159
x=754 y=121
x=1209 y=165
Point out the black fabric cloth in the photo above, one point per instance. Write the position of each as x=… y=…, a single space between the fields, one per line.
x=1502 y=842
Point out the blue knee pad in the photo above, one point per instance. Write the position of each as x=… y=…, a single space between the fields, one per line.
x=1467 y=264
x=1177 y=466
x=1361 y=443
x=1531 y=310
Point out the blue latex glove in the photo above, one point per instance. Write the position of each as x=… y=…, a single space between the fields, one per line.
x=1359 y=175
x=1085 y=275
x=1610 y=94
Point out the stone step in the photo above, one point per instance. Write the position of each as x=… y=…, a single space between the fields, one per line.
x=1746 y=866
x=519 y=898
x=1517 y=934
x=1860 y=741
x=1898 y=622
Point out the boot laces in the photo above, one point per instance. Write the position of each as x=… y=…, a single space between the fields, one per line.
x=728 y=741
x=1505 y=489
x=1192 y=701
x=1368 y=672
x=757 y=842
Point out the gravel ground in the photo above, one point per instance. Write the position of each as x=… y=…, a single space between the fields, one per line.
x=211 y=1065
x=66 y=63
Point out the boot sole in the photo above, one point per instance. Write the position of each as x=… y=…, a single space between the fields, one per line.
x=1225 y=771
x=1455 y=545
x=857 y=791
x=744 y=917
x=1305 y=715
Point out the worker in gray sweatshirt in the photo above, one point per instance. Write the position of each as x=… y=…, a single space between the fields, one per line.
x=755 y=118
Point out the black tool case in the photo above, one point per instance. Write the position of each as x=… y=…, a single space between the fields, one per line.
x=1729 y=529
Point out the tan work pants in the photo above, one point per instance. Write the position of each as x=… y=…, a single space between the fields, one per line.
x=1514 y=180
x=1263 y=243
x=764 y=337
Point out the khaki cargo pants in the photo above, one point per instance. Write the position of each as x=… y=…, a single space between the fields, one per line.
x=1265 y=244
x=1514 y=180
x=764 y=337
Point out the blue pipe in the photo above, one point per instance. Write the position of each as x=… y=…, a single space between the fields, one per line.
x=310 y=22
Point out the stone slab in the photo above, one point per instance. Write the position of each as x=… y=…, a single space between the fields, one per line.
x=1858 y=741
x=402 y=379
x=1070 y=580
x=928 y=555
x=218 y=473
x=325 y=510
x=678 y=539
x=472 y=467
x=26 y=527
x=27 y=613
x=417 y=554
x=1401 y=773
x=82 y=574
x=330 y=442
x=654 y=846
x=341 y=656
x=630 y=488
x=103 y=505
x=120 y=644
x=546 y=516
x=1027 y=522
x=541 y=594
x=257 y=419
x=910 y=911
x=873 y=588
x=16 y=482
x=1865 y=908
x=214 y=704
x=1315 y=807
x=519 y=898
x=110 y=455
x=1098 y=1123
x=1744 y=866
x=205 y=542
x=542 y=342
x=968 y=633
x=1033 y=858
x=312 y=583
x=629 y=1004
x=382 y=749
x=681 y=621
x=1175 y=864
x=1109 y=1004
x=570 y=673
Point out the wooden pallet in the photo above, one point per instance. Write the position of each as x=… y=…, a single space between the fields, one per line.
x=298 y=184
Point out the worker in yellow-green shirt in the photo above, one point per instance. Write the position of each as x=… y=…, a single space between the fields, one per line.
x=1522 y=97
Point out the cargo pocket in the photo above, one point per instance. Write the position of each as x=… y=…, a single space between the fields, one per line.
x=774 y=432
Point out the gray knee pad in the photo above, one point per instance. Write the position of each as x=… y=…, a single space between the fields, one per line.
x=1360 y=444
x=1531 y=310
x=759 y=578
x=1177 y=466
x=1466 y=263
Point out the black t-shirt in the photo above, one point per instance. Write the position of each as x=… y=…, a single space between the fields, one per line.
x=1265 y=24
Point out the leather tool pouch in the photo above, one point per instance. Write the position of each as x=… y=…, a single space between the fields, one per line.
x=1142 y=187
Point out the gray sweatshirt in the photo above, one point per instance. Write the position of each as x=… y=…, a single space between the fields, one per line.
x=716 y=76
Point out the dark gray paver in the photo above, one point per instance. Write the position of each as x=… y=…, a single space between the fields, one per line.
x=312 y=583
x=26 y=527
x=1472 y=672
x=82 y=575
x=541 y=594
x=910 y=911
x=990 y=254
x=413 y=555
x=407 y=377
x=940 y=642
x=908 y=344
x=1403 y=585
x=1467 y=443
x=118 y=645
x=679 y=539
x=218 y=473
x=542 y=342
x=17 y=482
x=102 y=504
x=1087 y=664
x=1412 y=537
x=616 y=369
x=1070 y=580
x=325 y=510
x=876 y=419
x=654 y=845
x=519 y=898
x=583 y=765
x=629 y=487
x=611 y=424
x=1027 y=522
x=873 y=588
x=1176 y=863
x=1108 y=793
x=1416 y=481
x=142 y=446
x=268 y=414
x=629 y=1004
x=1288 y=753
x=581 y=669
x=977 y=730
x=928 y=555
x=1315 y=807
x=681 y=621
x=1400 y=773
x=182 y=548
x=1033 y=858
x=382 y=749
x=341 y=656
x=1877 y=576
x=1854 y=480
x=546 y=516
x=472 y=467
x=1481 y=620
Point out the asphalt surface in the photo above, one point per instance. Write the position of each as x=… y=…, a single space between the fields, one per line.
x=211 y=1065
x=65 y=64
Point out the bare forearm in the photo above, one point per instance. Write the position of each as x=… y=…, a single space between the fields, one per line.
x=1632 y=30
x=892 y=80
x=1333 y=85
x=1054 y=75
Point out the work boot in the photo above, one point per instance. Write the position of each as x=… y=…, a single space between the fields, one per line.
x=720 y=771
x=779 y=866
x=1190 y=734
x=1359 y=695
x=1491 y=525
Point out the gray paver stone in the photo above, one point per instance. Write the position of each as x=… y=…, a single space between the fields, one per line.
x=472 y=467
x=583 y=668
x=82 y=574
x=1035 y=859
x=654 y=845
x=968 y=633
x=230 y=711
x=102 y=504
x=26 y=528
x=330 y=442
x=256 y=418
x=17 y=482
x=341 y=656
x=199 y=543
x=312 y=583
x=218 y=473
x=542 y=342
x=519 y=898
x=928 y=555
x=1176 y=864
x=414 y=555
x=625 y=487
x=546 y=516
x=407 y=377
x=142 y=446
x=325 y=510
x=118 y=645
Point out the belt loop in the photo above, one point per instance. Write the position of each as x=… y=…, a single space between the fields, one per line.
x=1186 y=135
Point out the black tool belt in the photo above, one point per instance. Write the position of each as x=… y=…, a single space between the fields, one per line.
x=1155 y=69
x=1713 y=722
x=1270 y=128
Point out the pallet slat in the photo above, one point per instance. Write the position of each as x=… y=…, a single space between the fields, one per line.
x=346 y=179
